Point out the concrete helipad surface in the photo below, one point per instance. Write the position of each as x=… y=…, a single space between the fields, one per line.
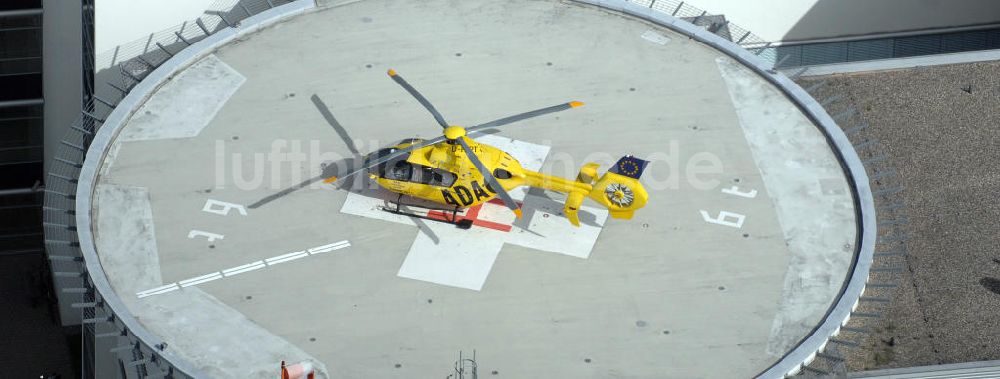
x=213 y=226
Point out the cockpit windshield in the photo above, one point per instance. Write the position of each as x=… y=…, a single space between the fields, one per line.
x=400 y=169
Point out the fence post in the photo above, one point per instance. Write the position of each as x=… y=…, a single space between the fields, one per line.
x=181 y=37
x=745 y=35
x=202 y=26
x=229 y=24
x=780 y=61
x=164 y=49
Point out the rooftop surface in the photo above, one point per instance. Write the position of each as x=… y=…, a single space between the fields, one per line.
x=743 y=247
x=937 y=126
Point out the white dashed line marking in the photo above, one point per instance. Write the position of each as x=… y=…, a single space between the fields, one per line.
x=242 y=269
x=158 y=290
x=330 y=247
x=286 y=257
x=200 y=279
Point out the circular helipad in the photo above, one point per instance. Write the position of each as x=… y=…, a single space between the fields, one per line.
x=214 y=226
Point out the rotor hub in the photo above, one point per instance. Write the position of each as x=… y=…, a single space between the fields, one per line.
x=454 y=132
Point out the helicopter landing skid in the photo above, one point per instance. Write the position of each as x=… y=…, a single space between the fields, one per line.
x=460 y=223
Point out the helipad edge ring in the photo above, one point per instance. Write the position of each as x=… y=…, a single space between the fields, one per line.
x=848 y=158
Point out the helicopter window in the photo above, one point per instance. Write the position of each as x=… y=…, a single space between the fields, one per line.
x=401 y=170
x=408 y=172
x=502 y=174
x=434 y=176
x=380 y=169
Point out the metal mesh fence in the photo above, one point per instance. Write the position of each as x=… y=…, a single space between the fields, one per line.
x=890 y=250
x=714 y=23
x=221 y=14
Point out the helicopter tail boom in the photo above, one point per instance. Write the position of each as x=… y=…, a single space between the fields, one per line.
x=619 y=189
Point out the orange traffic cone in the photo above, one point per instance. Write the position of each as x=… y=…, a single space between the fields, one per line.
x=301 y=370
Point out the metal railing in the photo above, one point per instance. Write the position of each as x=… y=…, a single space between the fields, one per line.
x=160 y=45
x=714 y=23
x=717 y=24
x=889 y=257
x=103 y=315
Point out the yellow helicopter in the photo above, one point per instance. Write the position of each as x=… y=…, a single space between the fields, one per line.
x=456 y=171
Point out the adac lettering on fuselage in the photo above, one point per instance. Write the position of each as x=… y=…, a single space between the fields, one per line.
x=462 y=196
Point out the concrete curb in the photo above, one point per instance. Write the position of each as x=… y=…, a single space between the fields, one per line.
x=854 y=169
x=112 y=126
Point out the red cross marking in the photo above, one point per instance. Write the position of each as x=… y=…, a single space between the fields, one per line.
x=473 y=214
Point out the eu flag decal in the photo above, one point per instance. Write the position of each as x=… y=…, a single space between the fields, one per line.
x=630 y=166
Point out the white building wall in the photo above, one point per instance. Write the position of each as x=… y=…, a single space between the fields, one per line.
x=119 y=22
x=803 y=20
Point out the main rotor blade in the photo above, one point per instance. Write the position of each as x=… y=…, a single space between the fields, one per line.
x=509 y=202
x=378 y=161
x=423 y=101
x=524 y=116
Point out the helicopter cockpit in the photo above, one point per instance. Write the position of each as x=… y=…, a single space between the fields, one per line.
x=400 y=169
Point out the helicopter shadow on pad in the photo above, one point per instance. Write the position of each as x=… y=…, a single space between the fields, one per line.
x=539 y=198
x=327 y=169
x=358 y=184
x=363 y=186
